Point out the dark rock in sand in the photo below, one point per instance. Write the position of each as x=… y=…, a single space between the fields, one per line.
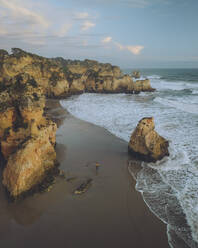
x=83 y=187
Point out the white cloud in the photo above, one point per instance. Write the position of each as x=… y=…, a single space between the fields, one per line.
x=135 y=49
x=87 y=25
x=107 y=39
x=33 y=23
x=19 y=12
x=81 y=15
x=21 y=22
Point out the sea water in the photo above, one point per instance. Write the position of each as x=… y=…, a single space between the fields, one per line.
x=170 y=187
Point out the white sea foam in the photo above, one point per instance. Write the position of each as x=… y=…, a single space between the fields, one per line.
x=169 y=187
x=176 y=86
x=154 y=77
x=190 y=108
x=195 y=92
x=162 y=85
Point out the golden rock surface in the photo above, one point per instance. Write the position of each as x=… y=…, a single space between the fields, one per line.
x=146 y=143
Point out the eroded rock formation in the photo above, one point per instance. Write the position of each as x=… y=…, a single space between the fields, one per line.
x=136 y=74
x=27 y=138
x=146 y=143
x=59 y=77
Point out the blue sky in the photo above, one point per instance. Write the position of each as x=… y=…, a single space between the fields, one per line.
x=128 y=33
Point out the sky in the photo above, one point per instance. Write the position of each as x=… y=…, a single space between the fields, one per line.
x=128 y=33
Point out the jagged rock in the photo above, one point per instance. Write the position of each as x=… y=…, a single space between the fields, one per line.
x=123 y=84
x=27 y=167
x=27 y=138
x=146 y=143
x=3 y=53
x=47 y=73
x=59 y=77
x=136 y=74
x=143 y=85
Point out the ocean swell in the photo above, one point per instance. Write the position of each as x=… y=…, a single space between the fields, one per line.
x=187 y=107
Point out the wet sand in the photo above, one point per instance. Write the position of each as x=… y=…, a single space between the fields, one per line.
x=110 y=214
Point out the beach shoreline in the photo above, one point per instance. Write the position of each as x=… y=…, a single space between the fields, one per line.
x=110 y=214
x=108 y=149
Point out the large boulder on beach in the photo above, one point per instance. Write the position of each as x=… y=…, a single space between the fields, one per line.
x=28 y=166
x=146 y=144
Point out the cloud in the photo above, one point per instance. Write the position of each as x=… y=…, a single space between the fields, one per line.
x=19 y=12
x=87 y=25
x=34 y=23
x=81 y=15
x=107 y=39
x=86 y=20
x=135 y=49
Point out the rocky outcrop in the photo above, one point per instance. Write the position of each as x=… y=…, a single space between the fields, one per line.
x=143 y=86
x=3 y=53
x=59 y=77
x=136 y=74
x=27 y=166
x=46 y=73
x=27 y=138
x=146 y=143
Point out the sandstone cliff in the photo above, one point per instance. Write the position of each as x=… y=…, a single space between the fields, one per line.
x=146 y=143
x=27 y=138
x=136 y=74
x=59 y=77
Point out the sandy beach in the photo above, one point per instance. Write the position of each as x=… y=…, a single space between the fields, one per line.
x=110 y=214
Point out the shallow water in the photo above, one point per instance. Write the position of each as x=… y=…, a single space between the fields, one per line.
x=175 y=108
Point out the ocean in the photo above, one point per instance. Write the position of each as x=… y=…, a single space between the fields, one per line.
x=169 y=187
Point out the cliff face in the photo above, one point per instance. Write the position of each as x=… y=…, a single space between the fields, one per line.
x=45 y=72
x=59 y=77
x=27 y=138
